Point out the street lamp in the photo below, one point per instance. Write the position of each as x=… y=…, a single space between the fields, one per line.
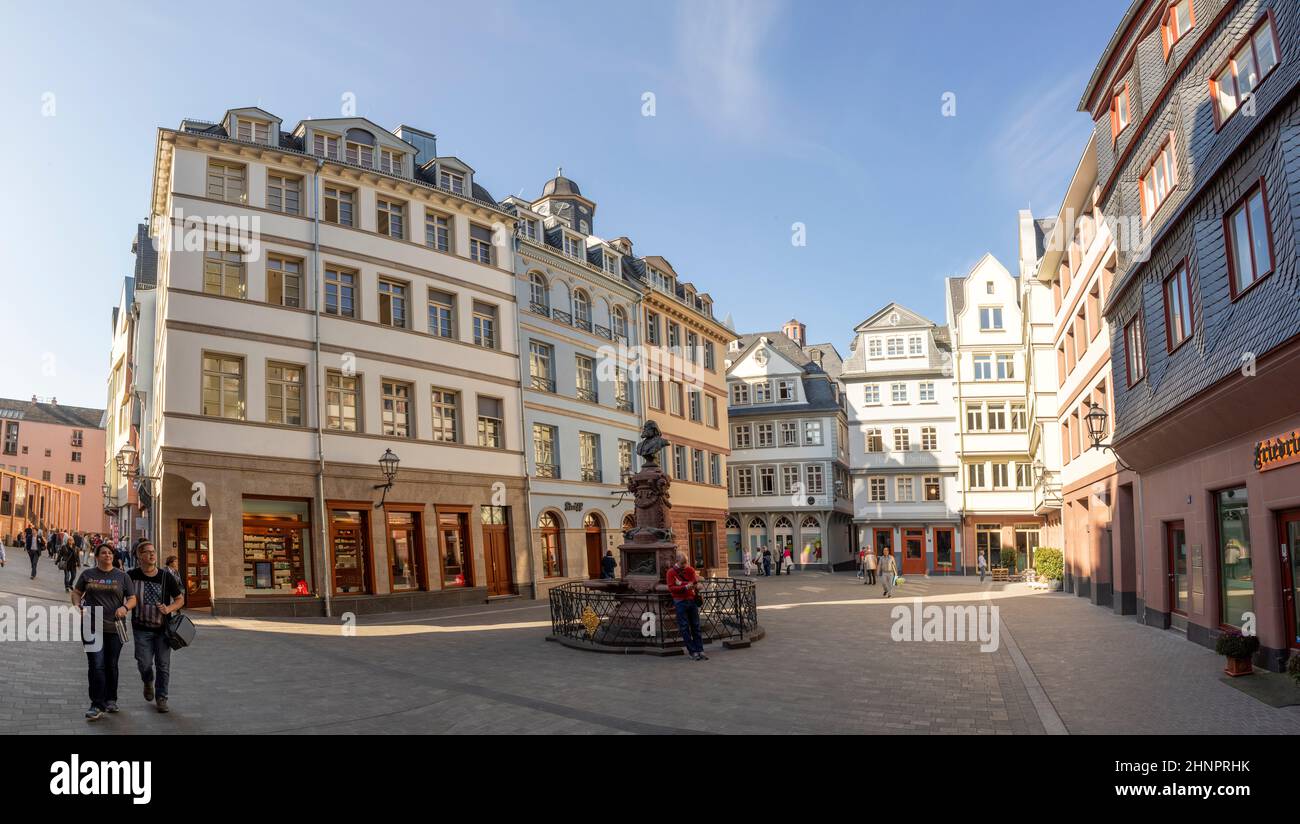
x=388 y=465
x=126 y=458
x=1096 y=421
x=1050 y=494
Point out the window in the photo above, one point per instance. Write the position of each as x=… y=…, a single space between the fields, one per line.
x=444 y=405
x=1179 y=19
x=816 y=483
x=1019 y=422
x=252 y=131
x=1249 y=241
x=1119 y=112
x=586 y=380
x=624 y=459
x=1006 y=367
x=396 y=410
x=589 y=456
x=284 y=394
x=694 y=412
x=789 y=433
x=873 y=347
x=392 y=303
x=652 y=328
x=997 y=417
x=929 y=438
x=990 y=318
x=325 y=145
x=975 y=475
x=789 y=479
x=581 y=310
x=620 y=322
x=894 y=347
x=78 y=437
x=226 y=182
x=623 y=391
x=933 y=489
x=480 y=244
x=575 y=248
x=437 y=231
x=1024 y=478
x=875 y=441
x=692 y=347
x=876 y=490
x=740 y=437
x=1252 y=62
x=898 y=393
x=340 y=292
x=655 y=392
x=744 y=481
x=679 y=462
x=451 y=181
x=763 y=392
x=391 y=218
x=1000 y=476
x=1178 y=308
x=1237 y=581
x=491 y=423
x=871 y=394
x=485 y=325
x=76 y=457
x=69 y=479
x=974 y=417
x=674 y=336
x=785 y=391
x=1134 y=354
x=11 y=438
x=765 y=434
x=223 y=386
x=611 y=262
x=715 y=469
x=903 y=489
x=711 y=412
x=983 y=367
x=812 y=433
x=1160 y=179
x=739 y=393
x=902 y=439
x=441 y=306
x=342 y=402
x=675 y=398
x=283 y=281
x=709 y=362
x=544 y=438
x=223 y=270
x=926 y=391
x=338 y=205
x=359 y=154
x=914 y=345
x=552 y=538
x=283 y=193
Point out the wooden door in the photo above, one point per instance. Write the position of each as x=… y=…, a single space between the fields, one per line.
x=944 y=549
x=913 y=551
x=593 y=552
x=1289 y=546
x=496 y=555
x=884 y=541
x=350 y=545
x=194 y=563
x=1179 y=574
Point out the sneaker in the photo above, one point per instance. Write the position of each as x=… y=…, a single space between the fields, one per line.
x=111 y=706
x=148 y=691
x=162 y=705
x=94 y=714
x=699 y=656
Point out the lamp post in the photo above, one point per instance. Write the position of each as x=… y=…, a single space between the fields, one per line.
x=1096 y=421
x=1050 y=494
x=388 y=466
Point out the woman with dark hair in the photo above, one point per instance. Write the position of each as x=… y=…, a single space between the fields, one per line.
x=110 y=594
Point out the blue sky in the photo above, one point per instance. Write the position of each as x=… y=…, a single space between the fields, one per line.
x=766 y=114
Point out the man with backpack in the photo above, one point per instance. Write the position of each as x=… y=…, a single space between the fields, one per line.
x=68 y=560
x=158 y=595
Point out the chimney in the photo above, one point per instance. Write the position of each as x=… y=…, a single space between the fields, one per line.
x=794 y=330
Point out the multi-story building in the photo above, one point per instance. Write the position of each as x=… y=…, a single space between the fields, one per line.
x=685 y=392
x=52 y=457
x=788 y=473
x=996 y=483
x=902 y=420
x=1196 y=113
x=577 y=332
x=329 y=298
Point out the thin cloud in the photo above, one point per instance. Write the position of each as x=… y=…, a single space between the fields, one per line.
x=720 y=56
x=1042 y=142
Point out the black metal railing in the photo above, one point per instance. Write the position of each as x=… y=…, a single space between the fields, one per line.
x=542 y=384
x=591 y=473
x=589 y=617
x=582 y=323
x=548 y=470
x=603 y=331
x=587 y=394
x=540 y=309
x=560 y=316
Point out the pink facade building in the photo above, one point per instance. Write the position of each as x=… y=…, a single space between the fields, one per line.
x=59 y=445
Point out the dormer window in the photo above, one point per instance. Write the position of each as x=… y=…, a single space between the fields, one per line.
x=360 y=154
x=1119 y=112
x=874 y=348
x=1179 y=19
x=1253 y=61
x=253 y=131
x=325 y=145
x=575 y=248
x=528 y=228
x=706 y=307
x=451 y=181
x=390 y=161
x=611 y=263
x=1160 y=179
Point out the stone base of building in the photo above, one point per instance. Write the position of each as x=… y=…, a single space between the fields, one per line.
x=1124 y=603
x=358 y=605
x=1101 y=594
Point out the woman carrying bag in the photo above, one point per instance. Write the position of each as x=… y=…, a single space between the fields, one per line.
x=888 y=571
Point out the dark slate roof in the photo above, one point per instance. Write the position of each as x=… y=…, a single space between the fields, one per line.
x=1042 y=231
x=146 y=258
x=1110 y=49
x=783 y=344
x=855 y=365
x=80 y=416
x=818 y=386
x=958 y=294
x=832 y=361
x=560 y=185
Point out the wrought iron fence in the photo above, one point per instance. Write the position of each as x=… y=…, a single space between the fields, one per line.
x=561 y=316
x=591 y=617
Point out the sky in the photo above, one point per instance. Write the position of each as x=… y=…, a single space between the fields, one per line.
x=704 y=131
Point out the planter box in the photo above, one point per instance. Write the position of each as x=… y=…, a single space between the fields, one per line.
x=1239 y=666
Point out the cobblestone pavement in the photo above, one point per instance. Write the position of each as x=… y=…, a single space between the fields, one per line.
x=827 y=665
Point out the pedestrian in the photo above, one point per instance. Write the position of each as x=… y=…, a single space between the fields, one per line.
x=33 y=550
x=117 y=551
x=171 y=566
x=683 y=585
x=888 y=571
x=111 y=594
x=159 y=595
x=608 y=564
x=748 y=556
x=40 y=539
x=789 y=560
x=982 y=565
x=780 y=559
x=869 y=566
x=69 y=561
x=767 y=562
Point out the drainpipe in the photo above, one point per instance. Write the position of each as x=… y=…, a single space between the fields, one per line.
x=324 y=574
x=961 y=436
x=528 y=486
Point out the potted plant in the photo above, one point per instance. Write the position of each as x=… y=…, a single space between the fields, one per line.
x=1238 y=649
x=1293 y=669
x=1049 y=564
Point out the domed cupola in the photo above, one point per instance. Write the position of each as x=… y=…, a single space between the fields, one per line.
x=562 y=199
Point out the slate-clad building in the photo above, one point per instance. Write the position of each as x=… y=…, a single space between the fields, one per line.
x=1198 y=169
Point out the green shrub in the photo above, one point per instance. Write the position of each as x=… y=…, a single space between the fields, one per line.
x=1235 y=645
x=1293 y=669
x=1049 y=563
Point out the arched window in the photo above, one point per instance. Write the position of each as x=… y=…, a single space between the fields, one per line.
x=552 y=538
x=784 y=523
x=732 y=522
x=757 y=523
x=810 y=522
x=539 y=294
x=593 y=521
x=620 y=322
x=581 y=308
x=629 y=522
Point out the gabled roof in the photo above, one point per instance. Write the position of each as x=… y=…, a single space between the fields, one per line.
x=380 y=132
x=906 y=319
x=54 y=413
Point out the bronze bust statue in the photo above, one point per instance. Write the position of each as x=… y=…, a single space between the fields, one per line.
x=652 y=443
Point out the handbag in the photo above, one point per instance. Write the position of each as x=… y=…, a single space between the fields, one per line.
x=122 y=634
x=179 y=631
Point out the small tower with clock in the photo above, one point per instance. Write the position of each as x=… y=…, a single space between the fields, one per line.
x=562 y=199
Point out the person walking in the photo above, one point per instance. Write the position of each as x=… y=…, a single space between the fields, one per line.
x=767 y=562
x=33 y=549
x=172 y=567
x=869 y=566
x=113 y=593
x=789 y=560
x=748 y=556
x=780 y=559
x=683 y=585
x=888 y=571
x=69 y=561
x=159 y=595
x=981 y=565
x=608 y=564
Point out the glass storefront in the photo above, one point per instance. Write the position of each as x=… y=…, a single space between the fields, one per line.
x=1236 y=576
x=453 y=537
x=350 y=540
x=404 y=550
x=277 y=547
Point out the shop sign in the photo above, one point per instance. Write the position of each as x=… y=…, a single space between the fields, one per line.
x=573 y=506
x=1278 y=452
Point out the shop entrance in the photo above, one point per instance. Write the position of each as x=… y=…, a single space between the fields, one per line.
x=944 y=557
x=454 y=548
x=913 y=551
x=1289 y=545
x=593 y=527
x=194 y=564
x=1179 y=579
x=496 y=550
x=350 y=546
x=883 y=538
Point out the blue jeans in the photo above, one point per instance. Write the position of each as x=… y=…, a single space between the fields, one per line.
x=153 y=655
x=69 y=577
x=103 y=670
x=35 y=555
x=688 y=623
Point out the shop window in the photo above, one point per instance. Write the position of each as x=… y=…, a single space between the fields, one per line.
x=1236 y=574
x=405 y=551
x=454 y=548
x=277 y=547
x=350 y=540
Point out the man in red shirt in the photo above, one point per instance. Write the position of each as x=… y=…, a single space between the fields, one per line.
x=682 y=584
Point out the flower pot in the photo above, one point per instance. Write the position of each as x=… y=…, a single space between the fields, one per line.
x=1239 y=666
x=1055 y=584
